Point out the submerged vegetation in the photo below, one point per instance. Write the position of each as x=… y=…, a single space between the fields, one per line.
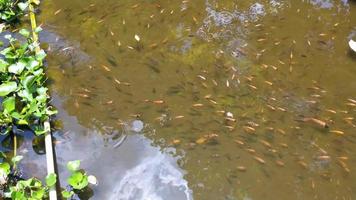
x=24 y=106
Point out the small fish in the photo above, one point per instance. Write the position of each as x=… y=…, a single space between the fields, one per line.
x=269 y=83
x=201 y=77
x=106 y=68
x=57 y=12
x=323 y=157
x=280 y=163
x=158 y=101
x=252 y=86
x=249 y=129
x=352 y=100
x=251 y=150
x=239 y=142
x=176 y=142
x=265 y=143
x=137 y=38
x=337 y=132
x=83 y=95
x=260 y=160
x=112 y=61
x=303 y=164
x=343 y=165
x=315 y=121
x=241 y=168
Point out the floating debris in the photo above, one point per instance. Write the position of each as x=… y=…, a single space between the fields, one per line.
x=137 y=126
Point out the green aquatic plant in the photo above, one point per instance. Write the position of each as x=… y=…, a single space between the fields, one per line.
x=34 y=189
x=22 y=81
x=11 y=10
x=24 y=104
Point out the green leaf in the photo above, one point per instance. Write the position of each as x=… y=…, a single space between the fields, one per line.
x=39 y=194
x=25 y=94
x=16 y=159
x=17 y=68
x=67 y=194
x=3 y=65
x=32 y=64
x=4 y=170
x=42 y=90
x=28 y=83
x=24 y=32
x=16 y=115
x=7 y=88
x=40 y=55
x=51 y=179
x=38 y=29
x=78 y=180
x=9 y=104
x=73 y=165
x=37 y=2
x=22 y=5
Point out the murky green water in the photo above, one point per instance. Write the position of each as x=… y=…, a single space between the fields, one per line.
x=228 y=84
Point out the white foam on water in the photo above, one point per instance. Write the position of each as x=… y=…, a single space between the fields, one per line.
x=157 y=177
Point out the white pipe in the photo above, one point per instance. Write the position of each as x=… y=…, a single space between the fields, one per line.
x=50 y=158
x=352 y=45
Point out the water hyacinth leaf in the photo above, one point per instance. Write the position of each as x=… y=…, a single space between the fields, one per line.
x=78 y=180
x=40 y=55
x=38 y=72
x=26 y=95
x=7 y=88
x=38 y=29
x=67 y=194
x=22 y=6
x=17 y=68
x=33 y=64
x=39 y=194
x=51 y=112
x=3 y=65
x=22 y=122
x=51 y=179
x=41 y=98
x=4 y=170
x=9 y=104
x=73 y=165
x=42 y=90
x=37 y=2
x=16 y=159
x=28 y=83
x=24 y=32
x=16 y=115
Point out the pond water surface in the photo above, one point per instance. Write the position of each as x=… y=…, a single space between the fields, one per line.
x=234 y=96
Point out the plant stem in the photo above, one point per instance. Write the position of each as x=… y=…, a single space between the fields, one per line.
x=15 y=148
